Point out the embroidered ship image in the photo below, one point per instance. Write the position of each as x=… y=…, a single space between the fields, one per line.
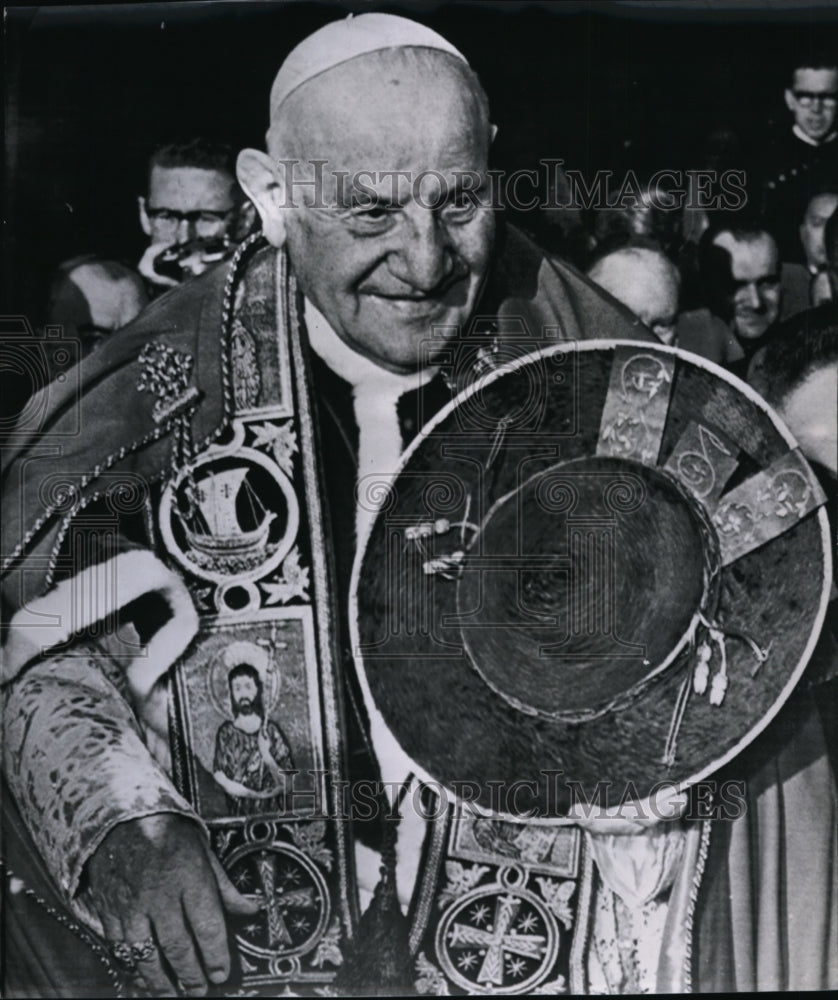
x=214 y=535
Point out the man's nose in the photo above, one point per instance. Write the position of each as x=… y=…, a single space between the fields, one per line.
x=752 y=296
x=425 y=257
x=185 y=229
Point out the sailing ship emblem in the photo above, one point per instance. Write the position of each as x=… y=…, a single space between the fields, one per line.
x=212 y=526
x=230 y=514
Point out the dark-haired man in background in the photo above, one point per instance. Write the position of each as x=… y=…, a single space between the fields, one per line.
x=193 y=199
x=804 y=156
x=193 y=212
x=739 y=268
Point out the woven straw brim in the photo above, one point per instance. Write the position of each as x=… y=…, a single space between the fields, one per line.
x=468 y=644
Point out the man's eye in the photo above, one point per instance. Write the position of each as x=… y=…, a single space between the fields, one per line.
x=461 y=207
x=370 y=212
x=371 y=218
x=768 y=283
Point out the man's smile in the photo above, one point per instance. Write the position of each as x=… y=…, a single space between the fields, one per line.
x=450 y=292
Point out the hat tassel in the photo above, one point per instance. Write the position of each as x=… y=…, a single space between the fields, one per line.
x=719 y=635
x=701 y=677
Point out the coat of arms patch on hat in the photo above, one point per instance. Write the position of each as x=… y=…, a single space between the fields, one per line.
x=605 y=562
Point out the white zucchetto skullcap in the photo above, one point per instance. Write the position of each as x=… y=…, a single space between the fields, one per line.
x=340 y=41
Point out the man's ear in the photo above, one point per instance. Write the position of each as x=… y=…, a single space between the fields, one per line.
x=145 y=222
x=262 y=184
x=493 y=131
x=789 y=96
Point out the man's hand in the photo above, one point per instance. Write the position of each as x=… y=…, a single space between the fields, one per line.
x=240 y=791
x=154 y=879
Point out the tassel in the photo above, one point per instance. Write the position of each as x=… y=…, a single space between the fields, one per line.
x=379 y=962
x=702 y=670
x=718 y=689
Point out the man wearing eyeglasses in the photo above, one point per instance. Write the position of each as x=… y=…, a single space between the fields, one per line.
x=194 y=214
x=804 y=156
x=811 y=100
x=194 y=209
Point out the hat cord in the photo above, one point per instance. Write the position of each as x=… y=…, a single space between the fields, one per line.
x=701 y=675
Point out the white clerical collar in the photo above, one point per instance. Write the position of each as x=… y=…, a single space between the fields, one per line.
x=798 y=131
x=351 y=366
x=375 y=397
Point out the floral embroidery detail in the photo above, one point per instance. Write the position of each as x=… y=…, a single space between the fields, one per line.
x=293 y=582
x=165 y=374
x=282 y=439
x=460 y=880
x=557 y=897
x=431 y=981
x=309 y=838
x=329 y=948
x=247 y=380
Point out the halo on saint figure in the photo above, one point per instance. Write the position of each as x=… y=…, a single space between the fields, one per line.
x=233 y=655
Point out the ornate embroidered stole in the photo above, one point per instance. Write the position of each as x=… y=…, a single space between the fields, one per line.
x=255 y=722
x=501 y=906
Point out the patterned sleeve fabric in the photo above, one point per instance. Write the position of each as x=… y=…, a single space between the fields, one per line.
x=279 y=749
x=76 y=762
x=222 y=760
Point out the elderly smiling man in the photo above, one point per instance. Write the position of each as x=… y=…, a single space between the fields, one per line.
x=222 y=438
x=233 y=444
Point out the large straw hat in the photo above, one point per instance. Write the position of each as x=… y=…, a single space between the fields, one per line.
x=602 y=563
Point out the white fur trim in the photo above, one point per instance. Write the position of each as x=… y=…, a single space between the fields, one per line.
x=93 y=595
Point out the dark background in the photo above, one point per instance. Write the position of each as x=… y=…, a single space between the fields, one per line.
x=89 y=89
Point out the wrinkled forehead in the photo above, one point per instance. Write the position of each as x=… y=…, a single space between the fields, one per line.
x=199 y=187
x=751 y=258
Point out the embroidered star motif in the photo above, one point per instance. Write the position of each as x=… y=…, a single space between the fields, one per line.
x=515 y=967
x=467 y=960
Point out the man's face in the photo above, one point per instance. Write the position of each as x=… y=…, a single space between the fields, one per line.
x=659 y=308
x=244 y=693
x=754 y=268
x=646 y=287
x=388 y=265
x=812 y=101
x=187 y=202
x=819 y=210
